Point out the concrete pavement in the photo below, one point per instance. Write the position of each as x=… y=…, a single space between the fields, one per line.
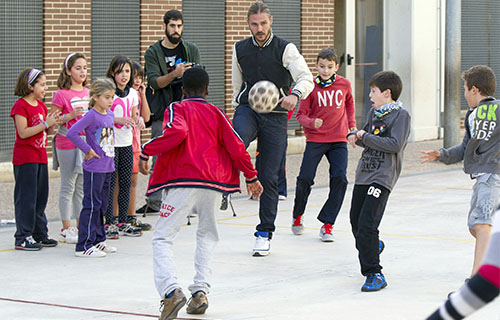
x=428 y=254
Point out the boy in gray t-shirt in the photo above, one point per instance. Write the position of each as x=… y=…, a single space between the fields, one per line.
x=480 y=151
x=384 y=138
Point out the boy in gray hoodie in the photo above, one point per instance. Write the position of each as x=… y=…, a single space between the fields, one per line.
x=384 y=138
x=480 y=150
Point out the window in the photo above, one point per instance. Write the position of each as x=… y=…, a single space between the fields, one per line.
x=115 y=31
x=204 y=25
x=22 y=40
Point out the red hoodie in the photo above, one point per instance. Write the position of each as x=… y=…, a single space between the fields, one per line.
x=334 y=105
x=199 y=148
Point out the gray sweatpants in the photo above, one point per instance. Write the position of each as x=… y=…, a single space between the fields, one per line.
x=177 y=204
x=71 y=192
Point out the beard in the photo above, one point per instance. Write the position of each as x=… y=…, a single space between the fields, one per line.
x=172 y=39
x=266 y=35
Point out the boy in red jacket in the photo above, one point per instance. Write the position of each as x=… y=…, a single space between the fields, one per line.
x=199 y=155
x=327 y=115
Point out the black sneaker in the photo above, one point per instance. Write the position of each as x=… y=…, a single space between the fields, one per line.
x=126 y=229
x=138 y=223
x=29 y=244
x=146 y=209
x=48 y=242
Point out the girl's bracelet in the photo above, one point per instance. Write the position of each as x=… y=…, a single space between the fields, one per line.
x=45 y=123
x=64 y=117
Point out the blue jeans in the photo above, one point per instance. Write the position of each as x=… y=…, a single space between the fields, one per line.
x=336 y=153
x=270 y=130
x=282 y=187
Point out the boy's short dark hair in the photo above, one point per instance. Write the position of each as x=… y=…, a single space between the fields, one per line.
x=387 y=80
x=195 y=81
x=172 y=15
x=327 y=54
x=481 y=77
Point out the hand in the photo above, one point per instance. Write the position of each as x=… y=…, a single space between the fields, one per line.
x=318 y=122
x=52 y=118
x=289 y=102
x=142 y=89
x=429 y=155
x=143 y=167
x=125 y=121
x=255 y=189
x=360 y=134
x=77 y=111
x=140 y=123
x=91 y=154
x=352 y=140
x=181 y=67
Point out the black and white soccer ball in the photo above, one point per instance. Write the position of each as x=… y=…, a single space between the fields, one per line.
x=263 y=96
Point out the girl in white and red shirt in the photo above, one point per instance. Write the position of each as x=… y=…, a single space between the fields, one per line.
x=124 y=107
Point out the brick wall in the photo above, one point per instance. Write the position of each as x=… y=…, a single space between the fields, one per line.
x=152 y=12
x=236 y=29
x=317 y=21
x=66 y=29
x=152 y=30
x=317 y=33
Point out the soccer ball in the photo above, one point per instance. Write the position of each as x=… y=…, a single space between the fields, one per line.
x=263 y=97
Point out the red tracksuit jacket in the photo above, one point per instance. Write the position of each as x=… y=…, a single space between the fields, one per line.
x=199 y=148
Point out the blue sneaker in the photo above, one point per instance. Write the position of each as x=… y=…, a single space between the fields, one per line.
x=374 y=282
x=381 y=246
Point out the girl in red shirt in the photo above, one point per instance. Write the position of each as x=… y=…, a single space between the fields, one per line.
x=29 y=158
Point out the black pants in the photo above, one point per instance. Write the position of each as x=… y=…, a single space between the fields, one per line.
x=336 y=153
x=270 y=130
x=31 y=193
x=124 y=161
x=367 y=207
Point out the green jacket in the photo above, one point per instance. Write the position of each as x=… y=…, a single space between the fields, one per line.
x=155 y=61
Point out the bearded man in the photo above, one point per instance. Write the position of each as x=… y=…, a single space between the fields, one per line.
x=166 y=61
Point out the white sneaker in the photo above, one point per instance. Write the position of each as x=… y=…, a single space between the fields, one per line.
x=262 y=246
x=92 y=252
x=325 y=233
x=281 y=197
x=103 y=246
x=69 y=235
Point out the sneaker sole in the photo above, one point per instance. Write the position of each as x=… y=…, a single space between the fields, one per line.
x=297 y=232
x=374 y=289
x=327 y=239
x=77 y=254
x=175 y=310
x=131 y=234
x=113 y=237
x=27 y=249
x=48 y=245
x=261 y=253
